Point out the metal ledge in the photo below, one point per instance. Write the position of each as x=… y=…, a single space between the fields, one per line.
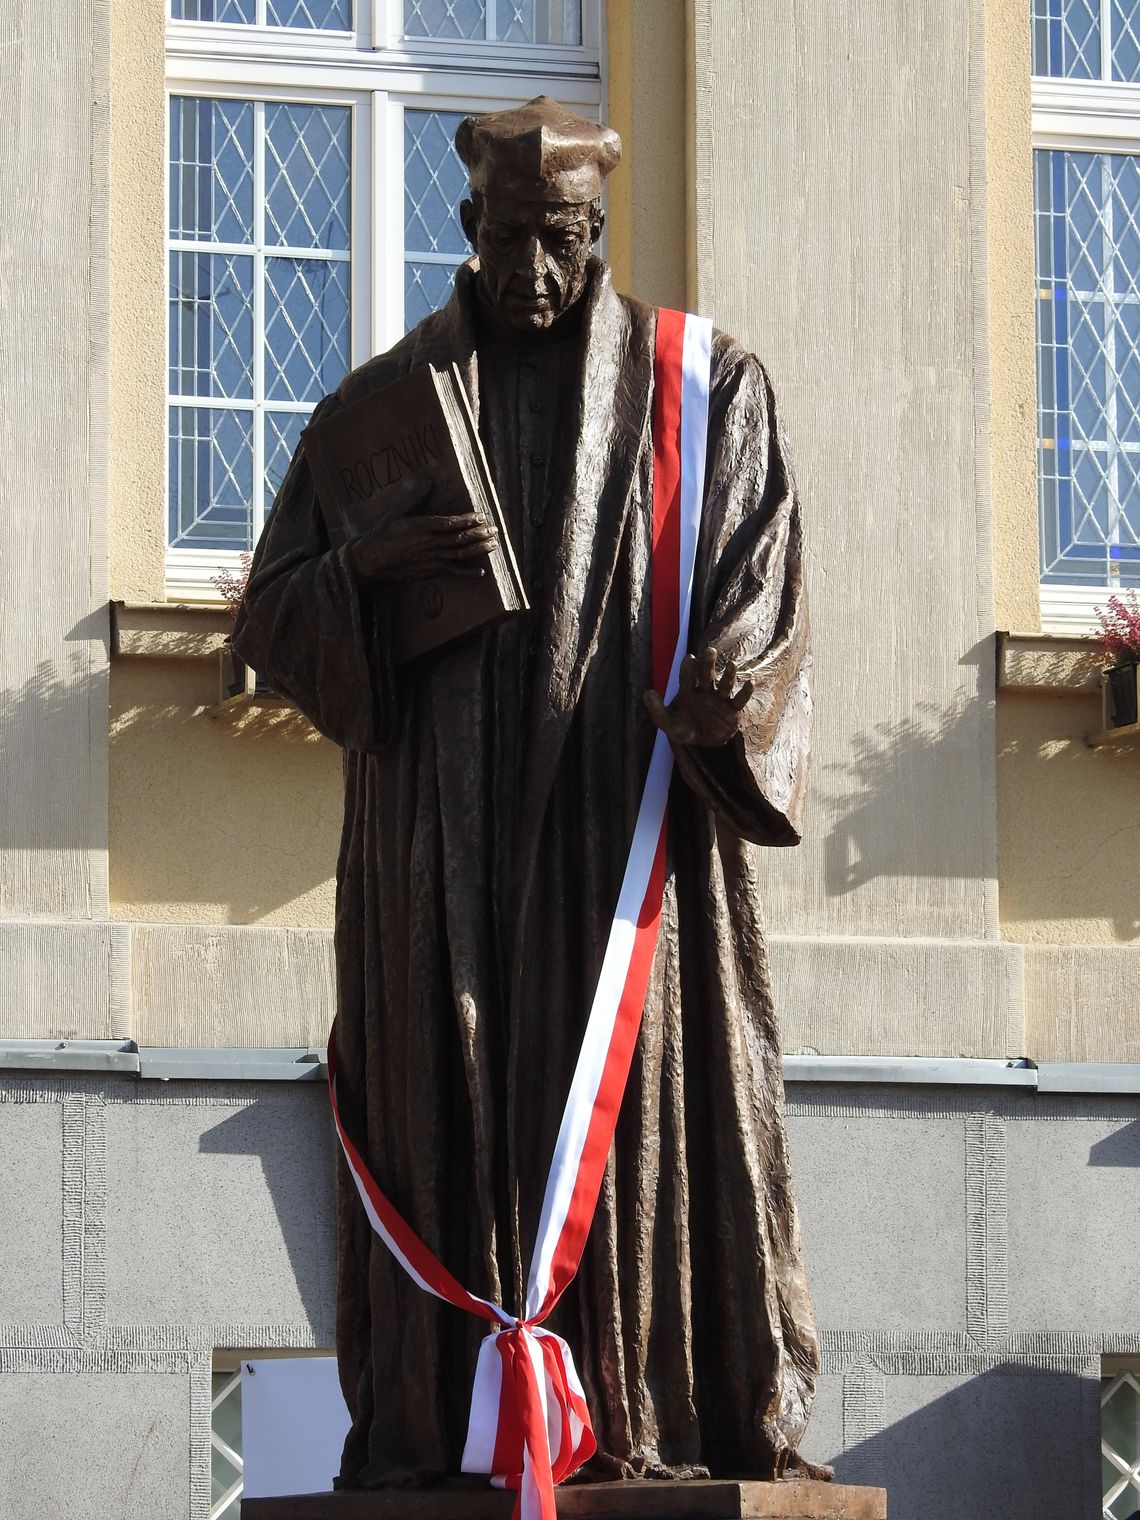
x=936 y=1071
x=1088 y=1077
x=307 y=1064
x=233 y=1064
x=69 y=1055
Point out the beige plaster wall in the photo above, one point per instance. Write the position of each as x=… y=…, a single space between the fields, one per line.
x=1069 y=845
x=53 y=465
x=841 y=223
x=213 y=821
x=138 y=301
x=1013 y=352
x=646 y=88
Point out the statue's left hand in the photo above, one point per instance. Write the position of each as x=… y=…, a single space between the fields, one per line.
x=707 y=710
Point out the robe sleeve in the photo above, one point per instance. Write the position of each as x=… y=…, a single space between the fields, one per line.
x=308 y=626
x=749 y=604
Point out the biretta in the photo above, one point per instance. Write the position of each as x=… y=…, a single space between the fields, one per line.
x=537 y=152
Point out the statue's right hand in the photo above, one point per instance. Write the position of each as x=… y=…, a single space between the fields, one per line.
x=408 y=544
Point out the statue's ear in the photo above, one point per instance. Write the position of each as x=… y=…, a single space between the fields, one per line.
x=597 y=222
x=468 y=221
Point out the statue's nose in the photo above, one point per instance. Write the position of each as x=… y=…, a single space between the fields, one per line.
x=532 y=257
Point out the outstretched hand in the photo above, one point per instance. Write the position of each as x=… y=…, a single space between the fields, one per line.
x=405 y=544
x=706 y=710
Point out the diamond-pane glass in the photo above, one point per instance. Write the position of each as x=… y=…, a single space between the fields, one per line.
x=1120 y=1445
x=306 y=176
x=445 y=18
x=427 y=287
x=258 y=334
x=225 y=1446
x=548 y=22
x=306 y=328
x=312 y=15
x=211 y=170
x=1124 y=29
x=282 y=435
x=211 y=477
x=211 y=325
x=1088 y=332
x=230 y=11
x=434 y=183
x=1069 y=40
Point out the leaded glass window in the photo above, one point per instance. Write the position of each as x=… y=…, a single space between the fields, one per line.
x=434 y=184
x=1087 y=39
x=1120 y=1445
x=309 y=15
x=1088 y=319
x=225 y=1445
x=313 y=189
x=552 y=22
x=259 y=301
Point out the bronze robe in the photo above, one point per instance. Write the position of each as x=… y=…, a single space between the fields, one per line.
x=490 y=797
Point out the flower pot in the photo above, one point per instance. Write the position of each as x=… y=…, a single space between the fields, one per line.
x=1121 y=687
x=238 y=679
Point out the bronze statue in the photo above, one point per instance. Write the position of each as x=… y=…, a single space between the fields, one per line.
x=490 y=793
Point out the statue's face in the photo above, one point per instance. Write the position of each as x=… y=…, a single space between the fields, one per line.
x=532 y=256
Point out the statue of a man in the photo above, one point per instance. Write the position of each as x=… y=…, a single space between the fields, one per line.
x=490 y=796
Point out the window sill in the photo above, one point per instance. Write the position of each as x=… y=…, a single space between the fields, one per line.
x=1068 y=664
x=168 y=630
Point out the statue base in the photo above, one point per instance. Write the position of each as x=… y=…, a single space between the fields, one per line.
x=648 y=1499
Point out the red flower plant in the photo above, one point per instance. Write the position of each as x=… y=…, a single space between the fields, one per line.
x=1120 y=628
x=232 y=584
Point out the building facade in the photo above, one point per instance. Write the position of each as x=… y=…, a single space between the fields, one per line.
x=923 y=217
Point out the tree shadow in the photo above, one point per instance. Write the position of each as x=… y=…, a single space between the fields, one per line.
x=46 y=731
x=1070 y=831
x=238 y=809
x=906 y=801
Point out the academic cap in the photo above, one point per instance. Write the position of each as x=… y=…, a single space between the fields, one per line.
x=537 y=152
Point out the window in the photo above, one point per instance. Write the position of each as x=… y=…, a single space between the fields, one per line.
x=311 y=215
x=1086 y=120
x=225 y=1438
x=1120 y=1439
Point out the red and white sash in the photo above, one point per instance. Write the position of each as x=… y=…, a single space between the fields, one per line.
x=529 y=1426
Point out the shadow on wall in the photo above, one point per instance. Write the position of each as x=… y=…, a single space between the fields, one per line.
x=1015 y=1442
x=301 y=1187
x=45 y=735
x=906 y=801
x=216 y=820
x=1121 y=1148
x=1070 y=830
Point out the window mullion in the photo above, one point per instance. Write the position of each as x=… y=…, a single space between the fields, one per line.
x=1112 y=445
x=1106 y=40
x=257 y=506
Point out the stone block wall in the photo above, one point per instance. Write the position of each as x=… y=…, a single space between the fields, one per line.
x=972 y=1254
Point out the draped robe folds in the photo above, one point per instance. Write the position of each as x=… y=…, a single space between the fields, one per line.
x=490 y=797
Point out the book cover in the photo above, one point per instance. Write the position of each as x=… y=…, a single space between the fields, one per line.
x=419 y=425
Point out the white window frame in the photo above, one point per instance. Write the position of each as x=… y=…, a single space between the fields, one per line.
x=379 y=74
x=1084 y=116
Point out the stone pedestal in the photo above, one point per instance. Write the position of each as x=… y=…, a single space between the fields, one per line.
x=719 y=1499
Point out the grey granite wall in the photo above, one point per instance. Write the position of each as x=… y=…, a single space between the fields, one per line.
x=972 y=1252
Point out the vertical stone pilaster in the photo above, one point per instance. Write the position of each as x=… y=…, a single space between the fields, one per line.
x=987 y=1257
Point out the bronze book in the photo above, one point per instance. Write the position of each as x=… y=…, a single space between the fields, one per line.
x=419 y=425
